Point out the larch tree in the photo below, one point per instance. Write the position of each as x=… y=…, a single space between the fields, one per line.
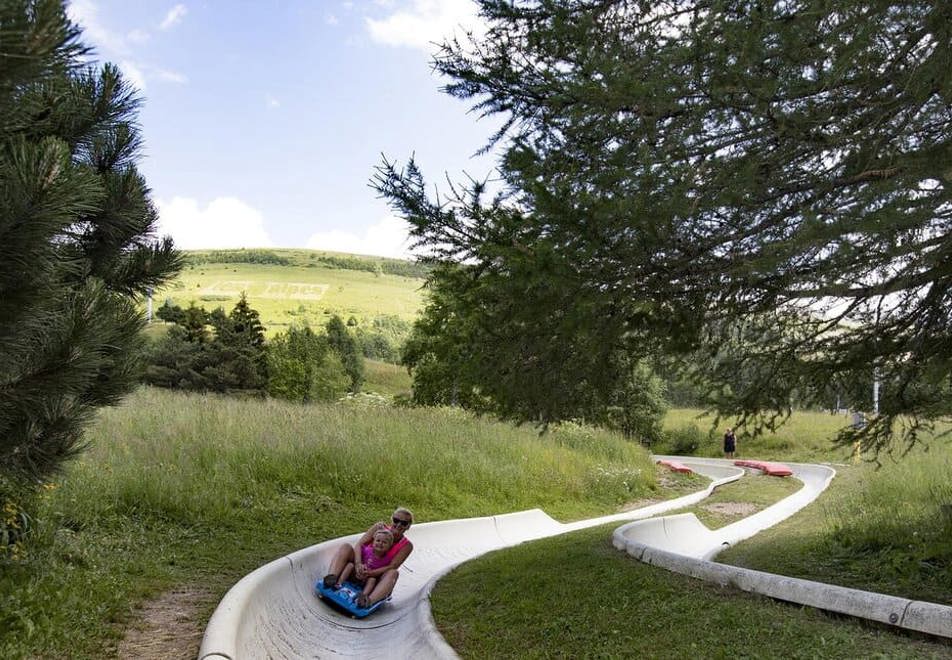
x=77 y=244
x=759 y=186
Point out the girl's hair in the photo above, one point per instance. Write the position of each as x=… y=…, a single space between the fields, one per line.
x=384 y=531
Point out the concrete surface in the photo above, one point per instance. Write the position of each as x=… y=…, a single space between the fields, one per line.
x=273 y=612
x=681 y=543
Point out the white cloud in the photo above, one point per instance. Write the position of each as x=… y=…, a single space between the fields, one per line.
x=133 y=74
x=173 y=17
x=138 y=36
x=272 y=101
x=425 y=22
x=86 y=14
x=171 y=76
x=330 y=19
x=119 y=47
x=387 y=238
x=227 y=222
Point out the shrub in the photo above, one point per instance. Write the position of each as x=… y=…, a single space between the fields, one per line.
x=684 y=440
x=345 y=346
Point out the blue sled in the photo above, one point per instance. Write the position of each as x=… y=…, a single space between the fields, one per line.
x=345 y=598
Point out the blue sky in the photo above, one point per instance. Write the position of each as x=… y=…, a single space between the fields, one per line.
x=263 y=120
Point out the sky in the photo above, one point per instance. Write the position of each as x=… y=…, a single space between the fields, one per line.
x=263 y=120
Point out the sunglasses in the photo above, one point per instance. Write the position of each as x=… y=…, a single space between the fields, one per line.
x=400 y=521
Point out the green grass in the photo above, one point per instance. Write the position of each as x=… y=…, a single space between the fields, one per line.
x=880 y=529
x=575 y=596
x=386 y=379
x=184 y=489
x=754 y=493
x=884 y=530
x=304 y=290
x=806 y=437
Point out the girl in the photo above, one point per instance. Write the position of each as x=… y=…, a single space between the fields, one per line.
x=374 y=556
x=386 y=575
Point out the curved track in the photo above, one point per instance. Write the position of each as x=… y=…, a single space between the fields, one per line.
x=681 y=543
x=273 y=613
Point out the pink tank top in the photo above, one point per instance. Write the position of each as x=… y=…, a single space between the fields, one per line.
x=374 y=562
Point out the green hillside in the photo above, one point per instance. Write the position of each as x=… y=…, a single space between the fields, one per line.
x=294 y=286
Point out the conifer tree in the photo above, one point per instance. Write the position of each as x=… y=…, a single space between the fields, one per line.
x=346 y=348
x=708 y=171
x=77 y=248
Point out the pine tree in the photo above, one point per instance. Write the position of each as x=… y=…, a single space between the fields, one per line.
x=77 y=248
x=239 y=343
x=695 y=166
x=346 y=348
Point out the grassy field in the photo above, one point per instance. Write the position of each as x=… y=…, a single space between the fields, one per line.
x=185 y=490
x=805 y=437
x=189 y=490
x=303 y=289
x=387 y=379
x=740 y=499
x=878 y=527
x=576 y=596
x=886 y=529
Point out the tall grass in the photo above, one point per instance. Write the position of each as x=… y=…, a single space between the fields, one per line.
x=194 y=459
x=386 y=379
x=883 y=528
x=806 y=436
x=187 y=489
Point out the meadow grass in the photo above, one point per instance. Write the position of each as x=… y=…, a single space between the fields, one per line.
x=885 y=529
x=387 y=379
x=295 y=293
x=576 y=596
x=805 y=437
x=186 y=489
x=183 y=489
x=739 y=499
x=882 y=527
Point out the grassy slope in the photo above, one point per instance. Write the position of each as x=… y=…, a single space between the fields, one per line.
x=882 y=529
x=576 y=596
x=805 y=437
x=183 y=489
x=301 y=291
x=386 y=379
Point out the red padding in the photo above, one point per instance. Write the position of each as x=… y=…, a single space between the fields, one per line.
x=676 y=466
x=773 y=469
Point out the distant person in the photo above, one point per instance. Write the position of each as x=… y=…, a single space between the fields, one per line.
x=383 y=569
x=730 y=443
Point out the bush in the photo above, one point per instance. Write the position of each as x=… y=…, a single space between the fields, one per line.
x=383 y=338
x=684 y=440
x=346 y=348
x=15 y=522
x=241 y=256
x=377 y=346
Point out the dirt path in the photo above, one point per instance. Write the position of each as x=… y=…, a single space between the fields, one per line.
x=167 y=627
